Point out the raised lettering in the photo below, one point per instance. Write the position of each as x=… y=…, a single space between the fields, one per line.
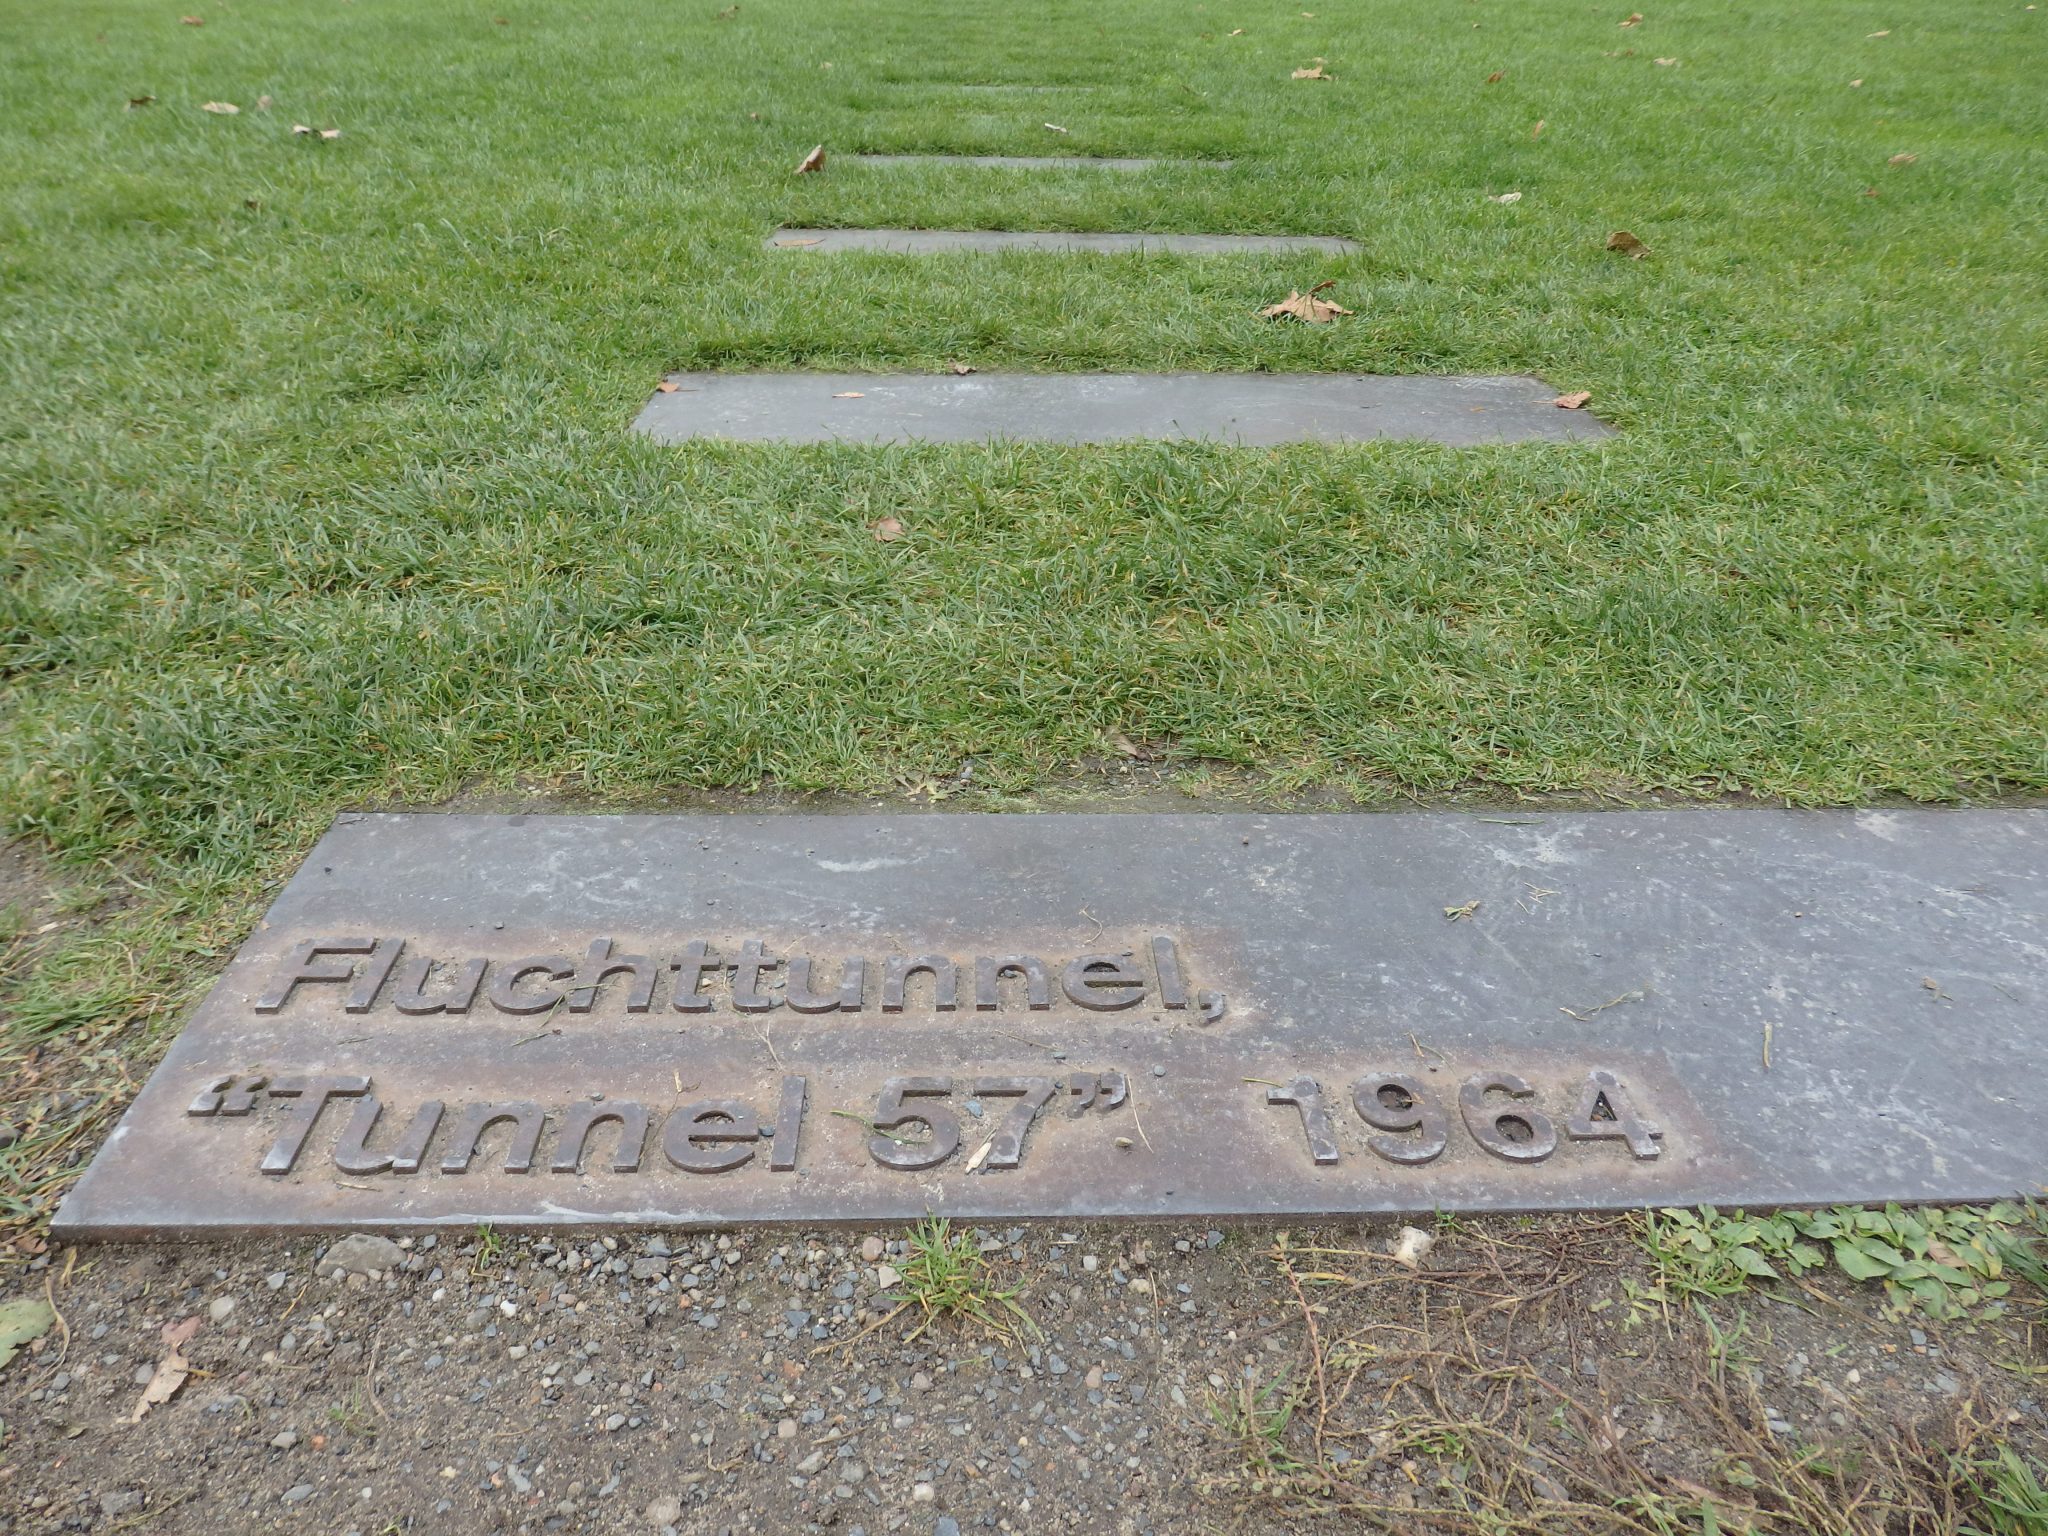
x=600 y=965
x=305 y=965
x=527 y=1120
x=572 y=1132
x=505 y=996
x=311 y=1095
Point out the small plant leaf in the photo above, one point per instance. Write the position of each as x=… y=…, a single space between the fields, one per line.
x=23 y=1322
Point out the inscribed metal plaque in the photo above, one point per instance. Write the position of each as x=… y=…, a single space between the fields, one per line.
x=706 y=1019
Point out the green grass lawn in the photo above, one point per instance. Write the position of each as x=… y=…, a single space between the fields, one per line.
x=318 y=488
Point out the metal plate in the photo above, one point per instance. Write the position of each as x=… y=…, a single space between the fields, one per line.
x=1042 y=162
x=1240 y=408
x=1150 y=1015
x=930 y=242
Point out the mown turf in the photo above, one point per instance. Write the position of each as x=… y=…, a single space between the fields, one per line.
x=318 y=487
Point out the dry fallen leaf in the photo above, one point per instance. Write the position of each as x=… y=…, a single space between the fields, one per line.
x=814 y=161
x=1855 y=82
x=1237 y=32
x=1575 y=401
x=961 y=368
x=192 y=21
x=1634 y=20
x=1315 y=73
x=140 y=101
x=1506 y=197
x=178 y=1335
x=1055 y=127
x=1622 y=240
x=1887 y=32
x=1902 y=159
x=170 y=1375
x=668 y=386
x=219 y=108
x=330 y=133
x=887 y=530
x=1305 y=306
x=849 y=394
x=1667 y=63
x=1870 y=191
x=1537 y=131
x=262 y=103
x=1495 y=77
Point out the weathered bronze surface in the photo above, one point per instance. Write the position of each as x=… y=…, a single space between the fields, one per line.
x=581 y=1021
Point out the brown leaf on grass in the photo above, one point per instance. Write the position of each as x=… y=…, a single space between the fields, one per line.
x=1854 y=83
x=1887 y=32
x=1055 y=128
x=178 y=1335
x=1305 y=306
x=1902 y=159
x=262 y=103
x=1496 y=77
x=1870 y=192
x=1537 y=131
x=192 y=21
x=1505 y=197
x=140 y=101
x=1635 y=20
x=793 y=244
x=1575 y=401
x=667 y=387
x=1621 y=240
x=1667 y=63
x=961 y=368
x=814 y=161
x=886 y=530
x=1237 y=32
x=330 y=133
x=301 y=131
x=1314 y=73
x=219 y=108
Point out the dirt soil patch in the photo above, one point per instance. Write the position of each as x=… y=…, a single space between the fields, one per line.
x=1530 y=1377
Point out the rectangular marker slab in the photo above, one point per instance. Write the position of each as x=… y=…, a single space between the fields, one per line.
x=939 y=242
x=1042 y=162
x=1244 y=408
x=701 y=1020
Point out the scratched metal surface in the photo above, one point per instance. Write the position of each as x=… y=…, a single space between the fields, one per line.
x=1896 y=962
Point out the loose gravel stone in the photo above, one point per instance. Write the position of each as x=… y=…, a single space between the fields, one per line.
x=361 y=1253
